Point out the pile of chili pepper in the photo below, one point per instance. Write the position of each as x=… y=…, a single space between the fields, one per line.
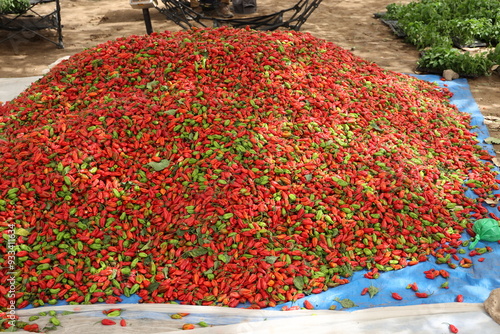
x=225 y=166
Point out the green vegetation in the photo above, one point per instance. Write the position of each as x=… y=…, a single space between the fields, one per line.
x=440 y=27
x=14 y=6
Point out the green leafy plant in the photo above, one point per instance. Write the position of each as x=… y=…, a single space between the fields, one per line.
x=440 y=25
x=442 y=58
x=422 y=35
x=468 y=31
x=14 y=6
x=494 y=55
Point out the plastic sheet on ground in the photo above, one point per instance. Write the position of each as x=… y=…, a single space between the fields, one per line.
x=11 y=87
x=380 y=314
x=155 y=318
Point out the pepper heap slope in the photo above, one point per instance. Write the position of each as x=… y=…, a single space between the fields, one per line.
x=221 y=166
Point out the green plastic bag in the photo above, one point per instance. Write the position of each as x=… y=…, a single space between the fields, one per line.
x=486 y=230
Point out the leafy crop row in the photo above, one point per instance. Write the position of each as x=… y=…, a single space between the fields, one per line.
x=14 y=6
x=440 y=27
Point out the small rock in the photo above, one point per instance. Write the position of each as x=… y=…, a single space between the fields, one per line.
x=495 y=69
x=450 y=75
x=492 y=305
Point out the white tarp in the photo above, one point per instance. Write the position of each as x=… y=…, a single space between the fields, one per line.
x=155 y=318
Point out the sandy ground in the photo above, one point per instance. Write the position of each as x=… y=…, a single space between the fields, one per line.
x=350 y=24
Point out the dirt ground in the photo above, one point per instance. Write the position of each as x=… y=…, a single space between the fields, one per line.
x=349 y=24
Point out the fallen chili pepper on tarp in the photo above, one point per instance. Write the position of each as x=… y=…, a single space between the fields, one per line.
x=141 y=167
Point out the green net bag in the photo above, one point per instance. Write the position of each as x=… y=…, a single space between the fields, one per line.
x=486 y=230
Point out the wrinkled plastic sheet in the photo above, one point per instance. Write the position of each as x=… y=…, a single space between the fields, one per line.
x=380 y=314
x=155 y=318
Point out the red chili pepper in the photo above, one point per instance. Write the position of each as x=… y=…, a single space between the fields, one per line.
x=422 y=294
x=108 y=322
x=465 y=265
x=24 y=304
x=481 y=259
x=444 y=273
x=22 y=253
x=397 y=296
x=32 y=328
x=123 y=323
x=364 y=291
x=459 y=298
x=308 y=305
x=452 y=328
